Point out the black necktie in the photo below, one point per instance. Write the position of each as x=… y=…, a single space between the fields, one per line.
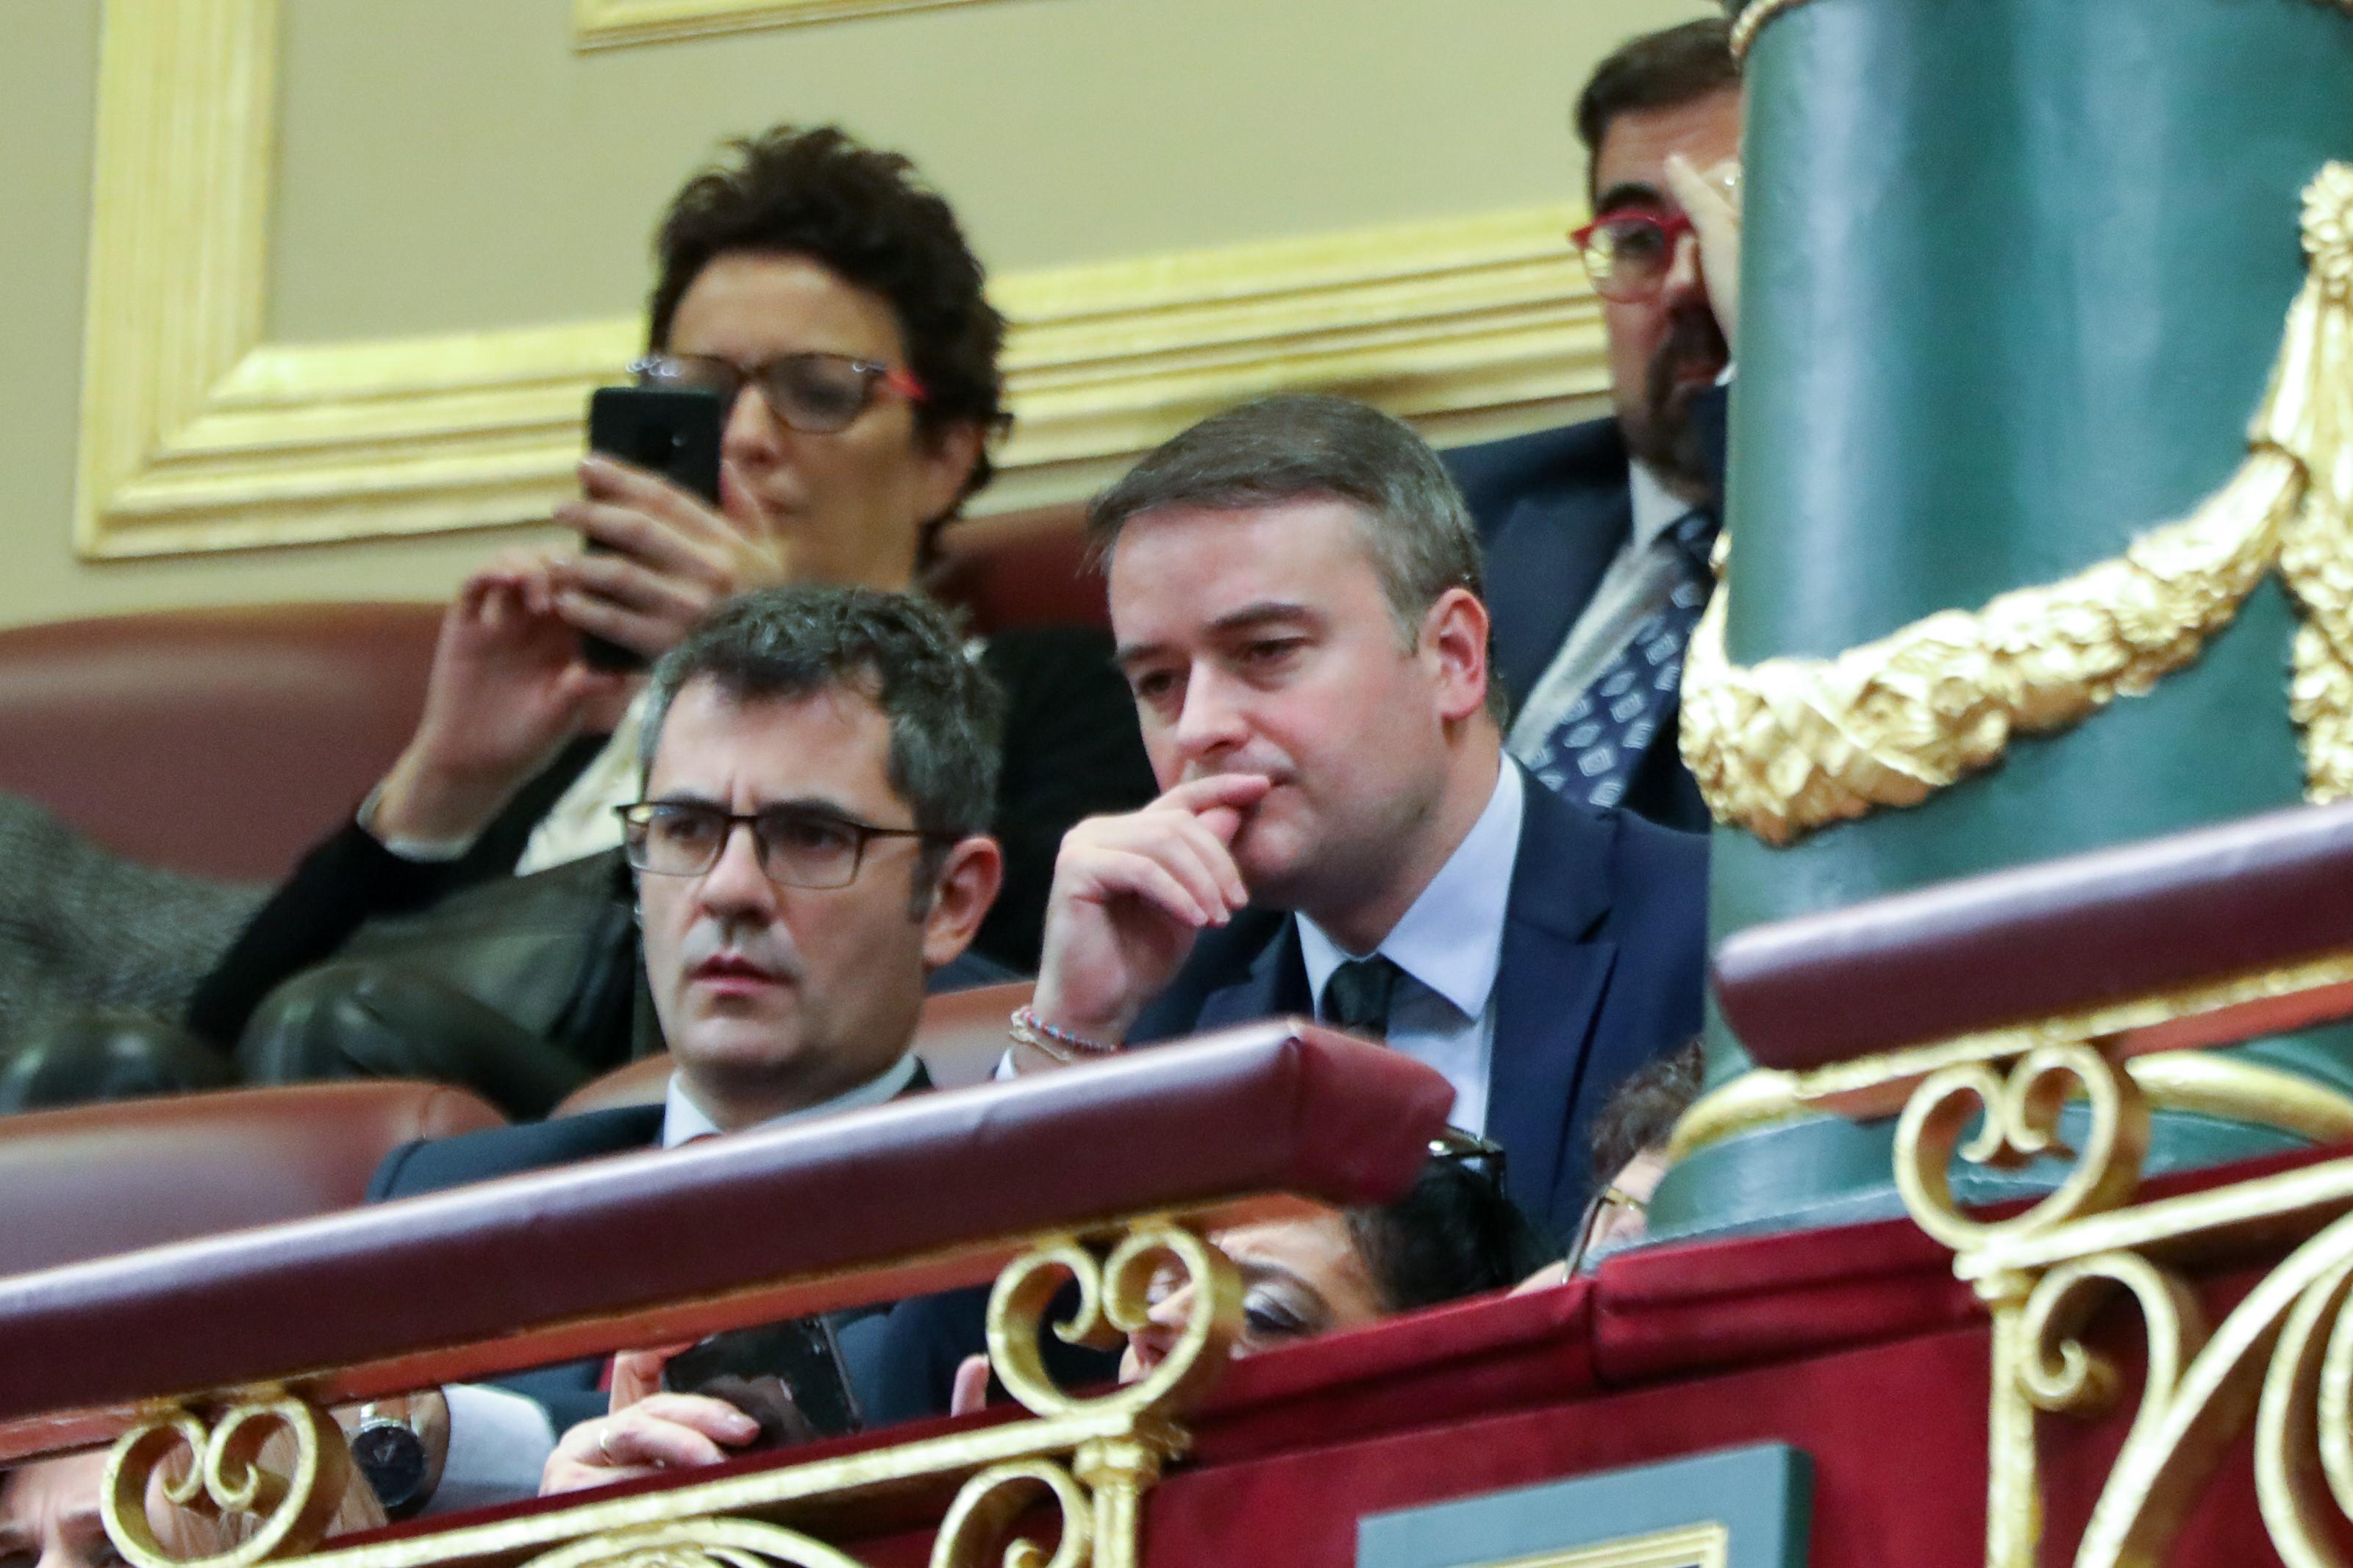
x=1356 y=997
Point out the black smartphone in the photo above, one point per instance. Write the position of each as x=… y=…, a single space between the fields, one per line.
x=803 y=1355
x=671 y=431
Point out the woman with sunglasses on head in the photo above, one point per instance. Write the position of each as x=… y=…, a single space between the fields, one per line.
x=830 y=302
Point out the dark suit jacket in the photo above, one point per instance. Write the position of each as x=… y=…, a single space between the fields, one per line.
x=1604 y=944
x=1604 y=953
x=1552 y=509
x=568 y=1389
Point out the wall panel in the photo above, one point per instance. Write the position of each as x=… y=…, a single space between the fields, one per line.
x=1184 y=200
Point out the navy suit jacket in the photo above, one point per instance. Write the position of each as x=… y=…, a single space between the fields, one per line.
x=1605 y=947
x=1552 y=509
x=567 y=1389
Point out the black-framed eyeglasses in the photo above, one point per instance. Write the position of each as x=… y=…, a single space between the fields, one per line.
x=1482 y=1157
x=798 y=846
x=817 y=393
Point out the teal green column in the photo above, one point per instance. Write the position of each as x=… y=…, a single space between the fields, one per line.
x=2015 y=275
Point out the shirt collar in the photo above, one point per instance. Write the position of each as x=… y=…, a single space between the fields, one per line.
x=1656 y=507
x=683 y=1120
x=1452 y=938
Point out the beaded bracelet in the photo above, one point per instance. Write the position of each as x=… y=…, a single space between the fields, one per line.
x=1028 y=1029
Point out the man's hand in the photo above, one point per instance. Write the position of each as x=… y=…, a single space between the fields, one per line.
x=1711 y=199
x=667 y=558
x=661 y=1432
x=1130 y=894
x=508 y=688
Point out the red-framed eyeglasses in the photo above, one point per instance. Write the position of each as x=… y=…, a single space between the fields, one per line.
x=1628 y=252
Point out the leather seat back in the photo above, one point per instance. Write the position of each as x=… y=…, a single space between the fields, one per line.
x=90 y=1181
x=226 y=741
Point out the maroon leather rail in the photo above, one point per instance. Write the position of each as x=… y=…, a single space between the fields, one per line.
x=743 y=1229
x=90 y=1179
x=2058 y=937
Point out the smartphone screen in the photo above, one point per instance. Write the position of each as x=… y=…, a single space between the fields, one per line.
x=671 y=431
x=801 y=1354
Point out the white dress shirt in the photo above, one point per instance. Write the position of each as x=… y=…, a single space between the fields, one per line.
x=1637 y=584
x=1447 y=945
x=683 y=1120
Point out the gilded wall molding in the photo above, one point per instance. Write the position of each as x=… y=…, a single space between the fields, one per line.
x=197 y=435
x=617 y=24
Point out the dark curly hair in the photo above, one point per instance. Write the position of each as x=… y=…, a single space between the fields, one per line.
x=865 y=215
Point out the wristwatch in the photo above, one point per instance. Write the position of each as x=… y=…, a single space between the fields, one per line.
x=391 y=1455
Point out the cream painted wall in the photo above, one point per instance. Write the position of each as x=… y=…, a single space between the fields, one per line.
x=445 y=164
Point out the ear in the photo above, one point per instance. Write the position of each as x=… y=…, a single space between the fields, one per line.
x=1454 y=640
x=948 y=457
x=969 y=877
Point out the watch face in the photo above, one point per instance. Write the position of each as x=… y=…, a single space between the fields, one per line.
x=392 y=1457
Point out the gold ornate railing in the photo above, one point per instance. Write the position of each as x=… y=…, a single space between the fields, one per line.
x=1096 y=1178
x=2282 y=1360
x=1087 y=1461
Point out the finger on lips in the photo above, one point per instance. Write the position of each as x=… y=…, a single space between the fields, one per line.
x=1211 y=790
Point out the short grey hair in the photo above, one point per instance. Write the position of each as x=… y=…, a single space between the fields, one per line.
x=900 y=651
x=1417 y=531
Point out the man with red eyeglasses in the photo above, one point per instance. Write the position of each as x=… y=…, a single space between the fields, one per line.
x=1597 y=535
x=829 y=296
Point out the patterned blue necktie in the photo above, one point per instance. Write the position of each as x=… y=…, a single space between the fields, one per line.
x=1592 y=753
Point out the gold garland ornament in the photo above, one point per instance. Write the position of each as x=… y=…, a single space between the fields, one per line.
x=1788 y=745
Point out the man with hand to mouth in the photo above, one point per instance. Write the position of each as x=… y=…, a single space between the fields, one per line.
x=810 y=842
x=1296 y=594
x=1295 y=591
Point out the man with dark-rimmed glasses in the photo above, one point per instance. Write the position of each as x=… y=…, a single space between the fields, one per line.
x=1597 y=535
x=810 y=842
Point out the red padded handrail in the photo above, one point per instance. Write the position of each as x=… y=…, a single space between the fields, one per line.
x=2051 y=939
x=869 y=1205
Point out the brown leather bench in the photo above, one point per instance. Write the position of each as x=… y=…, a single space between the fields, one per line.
x=226 y=741
x=91 y=1181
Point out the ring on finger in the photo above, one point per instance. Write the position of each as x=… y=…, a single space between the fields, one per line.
x=605 y=1445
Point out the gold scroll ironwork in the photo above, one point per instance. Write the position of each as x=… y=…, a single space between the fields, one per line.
x=1788 y=745
x=220 y=1472
x=2280 y=1360
x=1092 y=1458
